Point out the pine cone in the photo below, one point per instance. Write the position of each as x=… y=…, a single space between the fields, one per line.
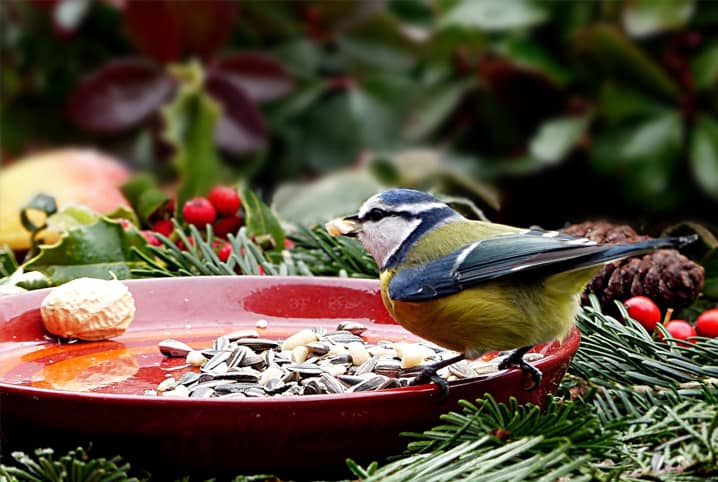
x=667 y=277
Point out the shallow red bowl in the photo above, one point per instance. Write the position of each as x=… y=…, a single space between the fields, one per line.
x=58 y=394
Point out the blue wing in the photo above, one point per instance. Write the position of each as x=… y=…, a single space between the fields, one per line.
x=533 y=251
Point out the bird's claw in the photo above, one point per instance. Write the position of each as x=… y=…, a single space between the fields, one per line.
x=428 y=374
x=515 y=359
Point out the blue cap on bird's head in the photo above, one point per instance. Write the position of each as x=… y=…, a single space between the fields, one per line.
x=389 y=222
x=395 y=197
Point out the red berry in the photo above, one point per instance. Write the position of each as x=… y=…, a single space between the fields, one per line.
x=680 y=329
x=288 y=244
x=199 y=211
x=223 y=226
x=644 y=310
x=707 y=323
x=225 y=200
x=151 y=238
x=163 y=226
x=260 y=270
x=224 y=252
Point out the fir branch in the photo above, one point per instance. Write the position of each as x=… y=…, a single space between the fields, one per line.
x=614 y=352
x=328 y=256
x=200 y=258
x=75 y=466
x=504 y=441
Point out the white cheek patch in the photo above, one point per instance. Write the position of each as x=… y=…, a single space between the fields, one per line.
x=382 y=239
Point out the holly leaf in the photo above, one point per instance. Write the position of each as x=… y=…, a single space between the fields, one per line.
x=97 y=250
x=259 y=218
x=332 y=195
x=527 y=53
x=261 y=77
x=557 y=137
x=614 y=54
x=649 y=156
x=144 y=196
x=119 y=95
x=434 y=106
x=704 y=155
x=70 y=217
x=617 y=103
x=8 y=262
x=190 y=121
x=642 y=18
x=705 y=67
x=495 y=15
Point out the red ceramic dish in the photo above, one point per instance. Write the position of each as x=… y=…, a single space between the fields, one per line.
x=53 y=393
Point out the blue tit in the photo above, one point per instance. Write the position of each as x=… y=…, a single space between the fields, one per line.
x=473 y=286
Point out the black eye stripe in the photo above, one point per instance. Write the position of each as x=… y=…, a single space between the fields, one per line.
x=377 y=214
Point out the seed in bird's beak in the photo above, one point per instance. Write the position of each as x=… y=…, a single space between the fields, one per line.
x=347 y=226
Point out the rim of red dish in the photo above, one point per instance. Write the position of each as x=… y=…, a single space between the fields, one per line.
x=567 y=346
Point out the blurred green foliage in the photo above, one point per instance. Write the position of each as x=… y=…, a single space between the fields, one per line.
x=543 y=111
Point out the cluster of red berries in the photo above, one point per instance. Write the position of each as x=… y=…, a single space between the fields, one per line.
x=646 y=312
x=220 y=209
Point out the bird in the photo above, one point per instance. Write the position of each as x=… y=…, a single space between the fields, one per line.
x=475 y=286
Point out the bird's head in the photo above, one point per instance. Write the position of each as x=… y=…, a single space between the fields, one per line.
x=389 y=223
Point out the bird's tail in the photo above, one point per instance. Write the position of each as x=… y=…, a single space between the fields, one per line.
x=582 y=270
x=641 y=247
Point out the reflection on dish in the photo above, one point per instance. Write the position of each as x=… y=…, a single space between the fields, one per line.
x=88 y=372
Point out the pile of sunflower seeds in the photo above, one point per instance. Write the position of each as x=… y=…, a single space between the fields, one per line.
x=309 y=362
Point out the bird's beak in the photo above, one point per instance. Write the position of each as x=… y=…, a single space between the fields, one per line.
x=347 y=226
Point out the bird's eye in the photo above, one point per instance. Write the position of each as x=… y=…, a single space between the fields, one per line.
x=376 y=214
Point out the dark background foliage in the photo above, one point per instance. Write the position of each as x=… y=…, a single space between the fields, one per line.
x=543 y=112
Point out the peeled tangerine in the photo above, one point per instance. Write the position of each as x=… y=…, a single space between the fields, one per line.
x=88 y=309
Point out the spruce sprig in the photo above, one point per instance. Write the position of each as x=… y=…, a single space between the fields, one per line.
x=331 y=256
x=75 y=466
x=614 y=352
x=200 y=259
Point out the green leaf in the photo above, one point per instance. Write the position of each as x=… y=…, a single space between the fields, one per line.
x=642 y=18
x=70 y=217
x=190 y=121
x=8 y=262
x=495 y=15
x=434 y=106
x=144 y=196
x=259 y=218
x=526 y=52
x=704 y=155
x=617 y=103
x=340 y=140
x=94 y=250
x=653 y=136
x=705 y=67
x=557 y=137
x=123 y=212
x=333 y=195
x=617 y=56
x=379 y=44
x=650 y=156
x=644 y=157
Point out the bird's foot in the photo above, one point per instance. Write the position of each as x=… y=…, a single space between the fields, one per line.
x=516 y=359
x=429 y=374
